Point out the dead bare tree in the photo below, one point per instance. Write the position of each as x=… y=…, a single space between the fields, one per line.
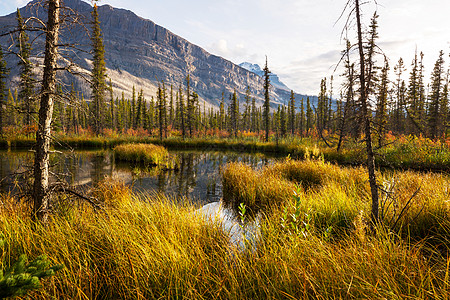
x=43 y=135
x=366 y=118
x=366 y=66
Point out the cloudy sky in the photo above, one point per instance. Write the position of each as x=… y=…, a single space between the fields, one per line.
x=301 y=38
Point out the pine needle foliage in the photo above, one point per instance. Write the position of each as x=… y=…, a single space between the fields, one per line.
x=23 y=276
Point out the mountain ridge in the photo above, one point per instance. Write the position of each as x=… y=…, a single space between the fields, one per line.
x=140 y=53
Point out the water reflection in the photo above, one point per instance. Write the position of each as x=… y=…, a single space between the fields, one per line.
x=198 y=176
x=240 y=235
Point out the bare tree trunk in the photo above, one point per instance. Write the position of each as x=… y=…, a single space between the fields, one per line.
x=41 y=161
x=367 y=129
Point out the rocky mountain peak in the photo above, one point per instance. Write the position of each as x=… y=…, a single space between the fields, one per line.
x=140 y=53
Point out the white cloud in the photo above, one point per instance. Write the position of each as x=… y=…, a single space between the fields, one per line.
x=221 y=47
x=299 y=37
x=237 y=52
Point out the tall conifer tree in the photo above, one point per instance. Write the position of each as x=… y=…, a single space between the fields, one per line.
x=98 y=74
x=435 y=119
x=3 y=96
x=266 y=112
x=291 y=110
x=26 y=85
x=382 y=99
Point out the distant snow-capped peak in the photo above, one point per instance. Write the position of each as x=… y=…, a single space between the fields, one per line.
x=255 y=68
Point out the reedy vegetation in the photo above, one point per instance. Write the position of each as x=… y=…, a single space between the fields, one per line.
x=144 y=154
x=150 y=247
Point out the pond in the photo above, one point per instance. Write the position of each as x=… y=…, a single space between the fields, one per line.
x=198 y=177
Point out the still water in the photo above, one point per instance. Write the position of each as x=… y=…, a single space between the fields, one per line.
x=198 y=177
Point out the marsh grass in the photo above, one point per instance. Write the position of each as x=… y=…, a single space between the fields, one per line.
x=416 y=205
x=150 y=248
x=145 y=154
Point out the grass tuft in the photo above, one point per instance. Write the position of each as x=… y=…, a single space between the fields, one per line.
x=145 y=154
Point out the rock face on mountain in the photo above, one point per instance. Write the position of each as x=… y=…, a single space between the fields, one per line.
x=141 y=53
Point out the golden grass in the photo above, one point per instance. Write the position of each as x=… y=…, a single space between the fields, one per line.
x=333 y=196
x=152 y=248
x=147 y=154
x=135 y=249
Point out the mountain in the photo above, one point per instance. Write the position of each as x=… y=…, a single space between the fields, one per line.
x=140 y=53
x=281 y=89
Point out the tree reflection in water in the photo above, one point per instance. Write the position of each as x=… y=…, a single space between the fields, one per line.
x=197 y=177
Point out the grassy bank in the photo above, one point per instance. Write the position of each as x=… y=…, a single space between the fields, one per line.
x=416 y=153
x=152 y=249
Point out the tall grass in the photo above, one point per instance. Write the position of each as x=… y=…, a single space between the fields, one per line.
x=149 y=248
x=415 y=204
x=146 y=154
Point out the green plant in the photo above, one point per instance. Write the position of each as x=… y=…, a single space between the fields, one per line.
x=293 y=222
x=22 y=277
x=242 y=211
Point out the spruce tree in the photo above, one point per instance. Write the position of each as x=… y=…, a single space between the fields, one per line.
x=445 y=104
x=322 y=104
x=349 y=114
x=436 y=117
x=159 y=99
x=221 y=114
x=412 y=104
x=121 y=112
x=74 y=116
x=26 y=85
x=254 y=113
x=331 y=123
x=152 y=115
x=11 y=112
x=197 y=112
x=421 y=114
x=164 y=108
x=190 y=107
x=112 y=109
x=283 y=121
x=266 y=113
x=370 y=53
x=171 y=108
x=98 y=73
x=276 y=123
x=234 y=114
x=302 y=118
x=309 y=115
x=133 y=108
x=399 y=91
x=382 y=99
x=247 y=108
x=291 y=111
x=3 y=95
x=182 y=114
x=139 y=108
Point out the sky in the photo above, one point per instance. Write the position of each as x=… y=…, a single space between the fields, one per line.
x=302 y=39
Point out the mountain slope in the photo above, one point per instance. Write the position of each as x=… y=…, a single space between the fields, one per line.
x=141 y=53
